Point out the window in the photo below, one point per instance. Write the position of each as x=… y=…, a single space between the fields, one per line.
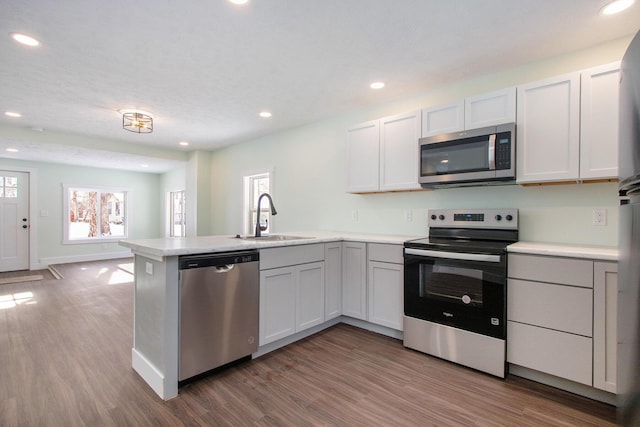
x=9 y=187
x=254 y=186
x=95 y=214
x=176 y=214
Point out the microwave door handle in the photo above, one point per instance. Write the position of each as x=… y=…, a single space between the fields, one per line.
x=452 y=255
x=492 y=152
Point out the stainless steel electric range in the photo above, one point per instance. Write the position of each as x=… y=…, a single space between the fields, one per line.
x=455 y=284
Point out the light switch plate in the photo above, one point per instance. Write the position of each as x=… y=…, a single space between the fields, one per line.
x=148 y=267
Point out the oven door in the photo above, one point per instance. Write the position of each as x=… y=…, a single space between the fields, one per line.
x=463 y=290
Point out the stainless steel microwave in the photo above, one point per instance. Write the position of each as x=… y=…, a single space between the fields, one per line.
x=475 y=157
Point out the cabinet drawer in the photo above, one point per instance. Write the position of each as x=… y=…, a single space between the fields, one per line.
x=566 y=271
x=386 y=253
x=564 y=308
x=557 y=353
x=290 y=255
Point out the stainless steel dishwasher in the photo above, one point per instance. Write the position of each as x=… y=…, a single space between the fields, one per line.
x=219 y=310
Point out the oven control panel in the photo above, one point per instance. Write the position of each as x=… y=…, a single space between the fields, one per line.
x=506 y=218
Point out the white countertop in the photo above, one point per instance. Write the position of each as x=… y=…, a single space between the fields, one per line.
x=175 y=246
x=605 y=253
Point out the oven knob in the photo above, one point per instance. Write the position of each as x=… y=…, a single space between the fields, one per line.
x=433 y=217
x=466 y=299
x=441 y=217
x=509 y=217
x=498 y=217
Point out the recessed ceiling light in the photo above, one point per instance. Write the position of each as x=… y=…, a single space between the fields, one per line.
x=239 y=1
x=144 y=165
x=24 y=39
x=265 y=114
x=12 y=114
x=376 y=85
x=12 y=150
x=183 y=143
x=615 y=7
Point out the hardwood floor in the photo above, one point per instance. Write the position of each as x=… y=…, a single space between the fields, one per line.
x=65 y=360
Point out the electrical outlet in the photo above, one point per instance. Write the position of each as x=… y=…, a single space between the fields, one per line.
x=599 y=216
x=408 y=215
x=354 y=215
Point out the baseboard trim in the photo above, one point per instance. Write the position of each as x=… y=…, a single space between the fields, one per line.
x=268 y=348
x=152 y=376
x=45 y=262
x=378 y=329
x=562 y=384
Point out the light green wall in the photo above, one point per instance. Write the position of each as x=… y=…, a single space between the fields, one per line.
x=309 y=174
x=145 y=218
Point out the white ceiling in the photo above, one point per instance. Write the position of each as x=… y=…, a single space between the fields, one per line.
x=206 y=68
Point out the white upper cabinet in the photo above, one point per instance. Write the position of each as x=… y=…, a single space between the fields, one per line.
x=363 y=157
x=399 y=152
x=382 y=155
x=441 y=119
x=599 y=122
x=490 y=109
x=548 y=130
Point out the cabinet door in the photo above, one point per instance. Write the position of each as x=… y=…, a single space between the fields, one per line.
x=309 y=295
x=558 y=307
x=443 y=119
x=553 y=352
x=605 y=308
x=490 y=109
x=333 y=280
x=363 y=158
x=354 y=280
x=599 y=122
x=399 y=152
x=277 y=304
x=386 y=301
x=548 y=127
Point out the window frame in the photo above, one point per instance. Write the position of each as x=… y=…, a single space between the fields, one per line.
x=171 y=213
x=247 y=202
x=99 y=189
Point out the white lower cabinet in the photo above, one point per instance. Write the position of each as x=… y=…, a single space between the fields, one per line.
x=605 y=321
x=291 y=296
x=277 y=304
x=332 y=280
x=385 y=286
x=561 y=318
x=386 y=294
x=309 y=295
x=553 y=352
x=354 y=280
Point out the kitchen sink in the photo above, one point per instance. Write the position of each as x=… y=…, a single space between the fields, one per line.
x=274 y=238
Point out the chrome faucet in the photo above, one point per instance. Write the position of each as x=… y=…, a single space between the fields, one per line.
x=260 y=228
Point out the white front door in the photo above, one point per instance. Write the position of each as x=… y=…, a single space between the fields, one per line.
x=14 y=220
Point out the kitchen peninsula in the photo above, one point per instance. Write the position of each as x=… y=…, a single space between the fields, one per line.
x=155 y=349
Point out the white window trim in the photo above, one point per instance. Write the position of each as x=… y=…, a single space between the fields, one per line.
x=65 y=219
x=245 y=201
x=169 y=213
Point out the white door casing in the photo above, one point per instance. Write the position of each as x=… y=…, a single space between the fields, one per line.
x=14 y=220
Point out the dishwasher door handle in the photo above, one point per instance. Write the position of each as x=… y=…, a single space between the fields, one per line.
x=225 y=268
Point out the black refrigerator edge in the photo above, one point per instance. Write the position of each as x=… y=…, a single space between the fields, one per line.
x=628 y=351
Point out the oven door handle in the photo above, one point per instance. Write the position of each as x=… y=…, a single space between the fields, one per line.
x=452 y=255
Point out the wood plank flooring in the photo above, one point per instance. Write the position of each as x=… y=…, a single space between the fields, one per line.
x=65 y=360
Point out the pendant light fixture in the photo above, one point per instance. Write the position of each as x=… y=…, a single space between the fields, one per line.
x=137 y=121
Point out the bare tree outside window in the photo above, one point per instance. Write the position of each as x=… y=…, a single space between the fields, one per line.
x=95 y=214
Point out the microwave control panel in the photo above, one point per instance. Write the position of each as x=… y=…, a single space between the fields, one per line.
x=503 y=151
